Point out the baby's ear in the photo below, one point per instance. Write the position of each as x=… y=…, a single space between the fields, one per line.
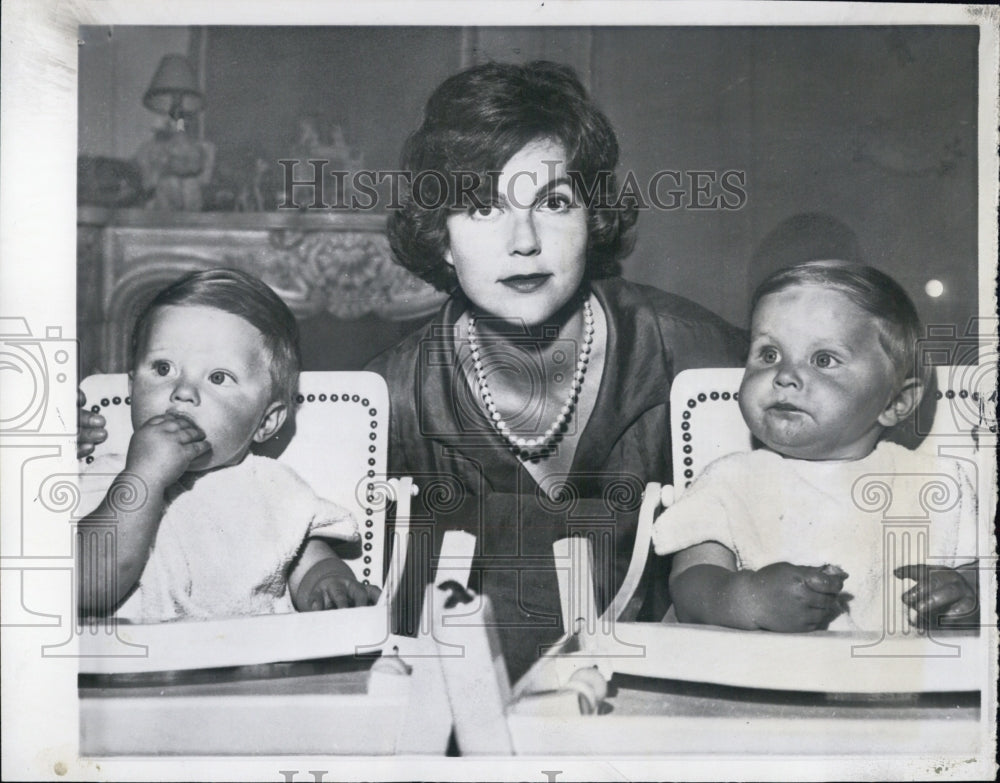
x=271 y=421
x=903 y=404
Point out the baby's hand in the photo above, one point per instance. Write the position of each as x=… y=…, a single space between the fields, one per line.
x=90 y=428
x=337 y=592
x=163 y=448
x=794 y=598
x=330 y=584
x=940 y=592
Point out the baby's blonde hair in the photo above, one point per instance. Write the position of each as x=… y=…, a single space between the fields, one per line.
x=899 y=327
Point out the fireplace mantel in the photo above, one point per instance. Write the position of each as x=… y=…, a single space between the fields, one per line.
x=336 y=264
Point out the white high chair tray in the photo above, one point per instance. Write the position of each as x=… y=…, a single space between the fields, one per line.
x=112 y=647
x=345 y=705
x=669 y=697
x=820 y=661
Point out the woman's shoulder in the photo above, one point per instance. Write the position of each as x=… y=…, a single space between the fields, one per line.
x=403 y=354
x=687 y=328
x=663 y=303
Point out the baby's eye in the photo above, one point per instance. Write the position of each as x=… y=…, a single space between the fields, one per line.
x=825 y=360
x=769 y=355
x=219 y=377
x=161 y=368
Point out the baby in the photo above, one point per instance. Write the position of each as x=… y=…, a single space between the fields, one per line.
x=213 y=530
x=769 y=539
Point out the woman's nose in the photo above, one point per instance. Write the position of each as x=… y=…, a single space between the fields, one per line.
x=185 y=391
x=524 y=237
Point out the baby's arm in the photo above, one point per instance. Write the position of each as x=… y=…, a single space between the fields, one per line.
x=943 y=592
x=321 y=580
x=159 y=453
x=706 y=587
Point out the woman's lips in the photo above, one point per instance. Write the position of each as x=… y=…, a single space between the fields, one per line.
x=525 y=284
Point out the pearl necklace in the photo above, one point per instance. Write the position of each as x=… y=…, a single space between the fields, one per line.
x=527 y=446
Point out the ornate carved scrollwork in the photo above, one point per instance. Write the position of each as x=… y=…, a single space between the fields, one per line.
x=346 y=274
x=339 y=265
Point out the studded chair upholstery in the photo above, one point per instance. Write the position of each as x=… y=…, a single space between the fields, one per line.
x=958 y=411
x=336 y=441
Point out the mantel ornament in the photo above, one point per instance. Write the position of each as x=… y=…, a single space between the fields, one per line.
x=348 y=275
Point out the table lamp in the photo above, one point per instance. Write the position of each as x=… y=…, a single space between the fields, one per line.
x=174 y=90
x=174 y=165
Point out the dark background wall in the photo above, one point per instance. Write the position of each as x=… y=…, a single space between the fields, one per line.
x=870 y=132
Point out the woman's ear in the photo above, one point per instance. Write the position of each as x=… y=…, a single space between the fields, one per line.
x=448 y=259
x=271 y=421
x=903 y=404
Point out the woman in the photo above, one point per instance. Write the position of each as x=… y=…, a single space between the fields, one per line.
x=535 y=403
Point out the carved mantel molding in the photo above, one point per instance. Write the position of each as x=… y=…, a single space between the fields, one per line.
x=339 y=264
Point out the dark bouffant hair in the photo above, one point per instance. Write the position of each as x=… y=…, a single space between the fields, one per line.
x=245 y=296
x=475 y=122
x=899 y=328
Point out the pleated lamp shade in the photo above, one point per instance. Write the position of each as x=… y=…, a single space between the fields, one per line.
x=174 y=89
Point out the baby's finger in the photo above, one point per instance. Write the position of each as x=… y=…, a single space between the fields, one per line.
x=320 y=599
x=90 y=421
x=196 y=448
x=918 y=571
x=823 y=581
x=964 y=606
x=315 y=603
x=336 y=594
x=359 y=594
x=821 y=602
x=91 y=436
x=373 y=594
x=940 y=597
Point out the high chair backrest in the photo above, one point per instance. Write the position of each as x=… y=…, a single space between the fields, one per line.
x=336 y=441
x=706 y=423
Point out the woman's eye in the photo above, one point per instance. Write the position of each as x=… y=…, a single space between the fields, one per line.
x=825 y=360
x=555 y=202
x=484 y=212
x=161 y=368
x=218 y=377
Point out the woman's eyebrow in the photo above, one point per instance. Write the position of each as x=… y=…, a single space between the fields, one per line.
x=547 y=187
x=540 y=192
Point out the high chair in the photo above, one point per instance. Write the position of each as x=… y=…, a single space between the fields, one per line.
x=316 y=682
x=622 y=688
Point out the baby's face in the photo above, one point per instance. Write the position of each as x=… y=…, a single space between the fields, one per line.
x=817 y=379
x=210 y=366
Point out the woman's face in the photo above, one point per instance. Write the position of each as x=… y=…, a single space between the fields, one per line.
x=522 y=258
